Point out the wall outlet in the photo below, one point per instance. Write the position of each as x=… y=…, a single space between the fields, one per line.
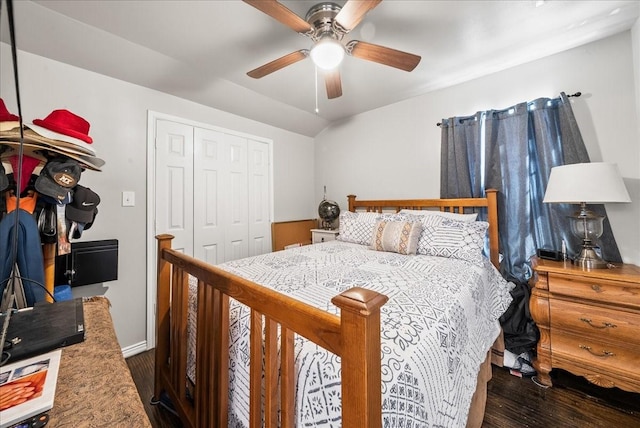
x=128 y=199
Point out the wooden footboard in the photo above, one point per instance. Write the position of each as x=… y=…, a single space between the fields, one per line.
x=354 y=336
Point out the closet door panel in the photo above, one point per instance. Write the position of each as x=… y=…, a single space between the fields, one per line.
x=236 y=225
x=259 y=209
x=174 y=183
x=208 y=188
x=212 y=191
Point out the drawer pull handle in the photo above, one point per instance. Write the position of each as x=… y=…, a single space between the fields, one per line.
x=604 y=354
x=596 y=288
x=604 y=324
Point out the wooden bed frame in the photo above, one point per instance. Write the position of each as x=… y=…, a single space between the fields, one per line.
x=354 y=336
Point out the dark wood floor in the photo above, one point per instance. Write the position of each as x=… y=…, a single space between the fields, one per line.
x=511 y=401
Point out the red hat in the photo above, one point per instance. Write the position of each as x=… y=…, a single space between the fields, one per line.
x=5 y=116
x=8 y=121
x=66 y=123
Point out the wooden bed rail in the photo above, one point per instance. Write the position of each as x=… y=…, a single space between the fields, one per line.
x=354 y=336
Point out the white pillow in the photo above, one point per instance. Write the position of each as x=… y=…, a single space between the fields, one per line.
x=445 y=214
x=454 y=239
x=357 y=227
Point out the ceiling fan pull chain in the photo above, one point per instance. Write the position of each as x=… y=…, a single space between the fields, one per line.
x=316 y=81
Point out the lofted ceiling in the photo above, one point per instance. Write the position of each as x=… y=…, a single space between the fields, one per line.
x=202 y=50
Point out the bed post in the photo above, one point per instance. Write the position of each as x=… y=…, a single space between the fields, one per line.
x=361 y=358
x=162 y=314
x=492 y=218
x=352 y=199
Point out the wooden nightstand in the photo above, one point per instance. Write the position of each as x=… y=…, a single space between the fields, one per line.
x=589 y=322
x=323 y=235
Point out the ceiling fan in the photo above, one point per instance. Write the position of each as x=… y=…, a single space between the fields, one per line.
x=326 y=24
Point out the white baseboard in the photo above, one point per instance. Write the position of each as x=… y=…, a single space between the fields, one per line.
x=135 y=349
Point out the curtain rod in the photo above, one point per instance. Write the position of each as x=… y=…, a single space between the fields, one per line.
x=577 y=94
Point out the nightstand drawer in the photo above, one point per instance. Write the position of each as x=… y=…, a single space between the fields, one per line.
x=595 y=322
x=600 y=355
x=323 y=235
x=597 y=289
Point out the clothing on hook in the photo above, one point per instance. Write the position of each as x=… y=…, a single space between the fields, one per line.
x=28 y=257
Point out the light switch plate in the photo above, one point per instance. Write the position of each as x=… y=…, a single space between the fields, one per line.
x=128 y=199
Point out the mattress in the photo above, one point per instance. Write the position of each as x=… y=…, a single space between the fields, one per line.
x=436 y=329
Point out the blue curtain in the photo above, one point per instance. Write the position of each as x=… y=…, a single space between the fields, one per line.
x=513 y=150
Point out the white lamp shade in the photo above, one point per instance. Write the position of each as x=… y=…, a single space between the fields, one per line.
x=596 y=182
x=327 y=53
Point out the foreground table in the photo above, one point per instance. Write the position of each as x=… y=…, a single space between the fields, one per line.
x=95 y=387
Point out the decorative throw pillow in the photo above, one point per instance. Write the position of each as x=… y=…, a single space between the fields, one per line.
x=454 y=239
x=396 y=236
x=452 y=216
x=357 y=227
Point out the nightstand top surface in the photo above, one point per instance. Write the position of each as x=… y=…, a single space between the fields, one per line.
x=622 y=272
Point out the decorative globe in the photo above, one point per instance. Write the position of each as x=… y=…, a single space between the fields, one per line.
x=328 y=212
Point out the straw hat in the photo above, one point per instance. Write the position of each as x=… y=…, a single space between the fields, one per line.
x=38 y=151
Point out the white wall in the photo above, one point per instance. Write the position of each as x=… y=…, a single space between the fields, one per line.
x=394 y=151
x=117 y=112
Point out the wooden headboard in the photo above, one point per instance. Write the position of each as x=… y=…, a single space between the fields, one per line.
x=457 y=205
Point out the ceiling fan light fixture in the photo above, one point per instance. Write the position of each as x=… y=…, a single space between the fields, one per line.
x=327 y=53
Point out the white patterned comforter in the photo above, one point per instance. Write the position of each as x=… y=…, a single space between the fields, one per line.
x=439 y=323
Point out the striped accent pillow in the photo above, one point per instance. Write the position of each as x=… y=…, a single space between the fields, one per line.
x=396 y=236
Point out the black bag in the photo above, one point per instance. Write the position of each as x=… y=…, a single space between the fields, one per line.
x=520 y=331
x=48 y=224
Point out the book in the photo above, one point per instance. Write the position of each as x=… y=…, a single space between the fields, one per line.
x=28 y=387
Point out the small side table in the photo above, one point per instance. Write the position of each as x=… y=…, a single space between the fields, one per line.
x=323 y=235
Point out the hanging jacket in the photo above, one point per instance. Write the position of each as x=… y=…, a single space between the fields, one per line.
x=29 y=255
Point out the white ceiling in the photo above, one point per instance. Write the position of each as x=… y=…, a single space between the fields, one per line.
x=202 y=50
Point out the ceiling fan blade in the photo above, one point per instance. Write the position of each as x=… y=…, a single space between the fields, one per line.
x=279 y=63
x=333 y=83
x=280 y=13
x=353 y=11
x=380 y=54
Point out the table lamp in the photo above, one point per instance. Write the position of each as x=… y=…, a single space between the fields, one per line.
x=586 y=183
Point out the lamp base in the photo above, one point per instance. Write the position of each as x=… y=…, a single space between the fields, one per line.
x=589 y=259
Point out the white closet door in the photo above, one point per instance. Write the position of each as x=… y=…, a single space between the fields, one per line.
x=259 y=197
x=208 y=190
x=236 y=209
x=174 y=183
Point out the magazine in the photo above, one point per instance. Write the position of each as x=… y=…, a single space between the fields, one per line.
x=27 y=387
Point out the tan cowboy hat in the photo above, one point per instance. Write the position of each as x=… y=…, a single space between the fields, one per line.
x=32 y=137
x=38 y=151
x=12 y=138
